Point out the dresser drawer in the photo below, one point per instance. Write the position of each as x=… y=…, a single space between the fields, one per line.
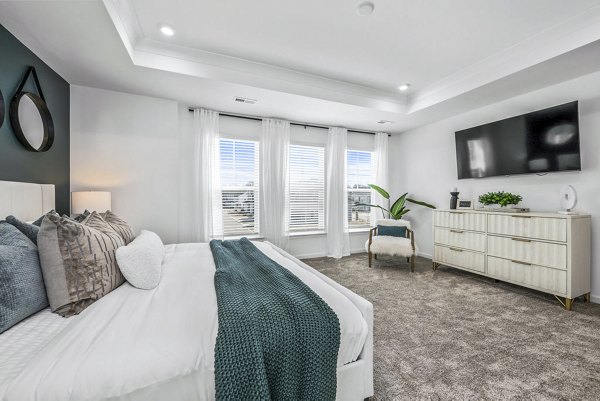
x=460 y=220
x=530 y=251
x=546 y=228
x=460 y=238
x=539 y=277
x=460 y=258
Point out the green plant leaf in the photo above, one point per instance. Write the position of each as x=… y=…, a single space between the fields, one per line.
x=402 y=213
x=398 y=205
x=381 y=191
x=368 y=204
x=420 y=203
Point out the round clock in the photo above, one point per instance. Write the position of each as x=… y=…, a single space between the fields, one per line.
x=30 y=118
x=1 y=109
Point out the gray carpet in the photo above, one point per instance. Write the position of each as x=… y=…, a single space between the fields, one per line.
x=452 y=335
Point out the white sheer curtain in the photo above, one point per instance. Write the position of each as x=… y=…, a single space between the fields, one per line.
x=274 y=181
x=380 y=175
x=338 y=240
x=207 y=213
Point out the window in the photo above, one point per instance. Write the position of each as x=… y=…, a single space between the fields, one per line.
x=359 y=176
x=307 y=188
x=239 y=184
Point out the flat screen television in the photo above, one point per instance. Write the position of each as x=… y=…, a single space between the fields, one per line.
x=539 y=142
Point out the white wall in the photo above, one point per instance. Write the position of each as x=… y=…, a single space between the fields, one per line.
x=423 y=163
x=133 y=146
x=128 y=145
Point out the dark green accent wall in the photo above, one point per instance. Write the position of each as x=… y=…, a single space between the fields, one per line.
x=16 y=163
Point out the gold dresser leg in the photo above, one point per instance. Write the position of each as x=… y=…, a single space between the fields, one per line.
x=567 y=304
x=586 y=298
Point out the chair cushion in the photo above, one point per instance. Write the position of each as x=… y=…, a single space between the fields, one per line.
x=391 y=231
x=393 y=246
x=393 y=223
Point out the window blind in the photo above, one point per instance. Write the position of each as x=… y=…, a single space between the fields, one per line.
x=240 y=187
x=307 y=188
x=359 y=172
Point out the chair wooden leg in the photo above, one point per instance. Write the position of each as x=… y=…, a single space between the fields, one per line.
x=375 y=256
x=370 y=255
x=412 y=264
x=407 y=260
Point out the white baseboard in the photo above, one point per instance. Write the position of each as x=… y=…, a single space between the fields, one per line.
x=595 y=299
x=424 y=255
x=322 y=254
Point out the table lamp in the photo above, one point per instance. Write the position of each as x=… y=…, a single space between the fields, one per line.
x=91 y=200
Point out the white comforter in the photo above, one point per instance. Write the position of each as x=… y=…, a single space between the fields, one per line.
x=148 y=345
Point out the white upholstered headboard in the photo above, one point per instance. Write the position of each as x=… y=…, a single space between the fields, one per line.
x=24 y=200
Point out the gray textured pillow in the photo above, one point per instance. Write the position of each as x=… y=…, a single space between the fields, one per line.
x=29 y=230
x=119 y=225
x=78 y=261
x=38 y=222
x=22 y=291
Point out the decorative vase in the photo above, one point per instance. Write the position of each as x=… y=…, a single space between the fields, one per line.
x=453 y=199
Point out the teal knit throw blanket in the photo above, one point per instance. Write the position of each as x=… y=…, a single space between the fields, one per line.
x=277 y=339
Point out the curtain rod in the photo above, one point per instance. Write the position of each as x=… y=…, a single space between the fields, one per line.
x=297 y=123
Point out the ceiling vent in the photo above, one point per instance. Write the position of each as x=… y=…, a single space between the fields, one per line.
x=240 y=99
x=385 y=122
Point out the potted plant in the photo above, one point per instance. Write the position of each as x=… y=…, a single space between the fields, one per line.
x=398 y=208
x=500 y=198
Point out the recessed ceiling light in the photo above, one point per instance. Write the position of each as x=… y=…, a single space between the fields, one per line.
x=365 y=8
x=385 y=122
x=403 y=87
x=167 y=30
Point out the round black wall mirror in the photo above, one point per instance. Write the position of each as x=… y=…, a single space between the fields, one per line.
x=30 y=118
x=1 y=109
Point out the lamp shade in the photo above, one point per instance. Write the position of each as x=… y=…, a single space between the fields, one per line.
x=91 y=200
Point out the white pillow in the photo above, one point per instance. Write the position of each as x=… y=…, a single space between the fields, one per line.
x=141 y=260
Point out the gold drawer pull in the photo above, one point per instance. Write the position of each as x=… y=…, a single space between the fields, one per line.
x=521 y=263
x=457 y=231
x=521 y=239
x=456 y=249
x=521 y=217
x=457 y=212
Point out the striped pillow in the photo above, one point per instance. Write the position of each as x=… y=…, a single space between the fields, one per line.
x=119 y=225
x=78 y=261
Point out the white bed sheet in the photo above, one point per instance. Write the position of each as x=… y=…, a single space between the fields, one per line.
x=149 y=345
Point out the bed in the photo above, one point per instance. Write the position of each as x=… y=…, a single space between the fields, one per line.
x=159 y=344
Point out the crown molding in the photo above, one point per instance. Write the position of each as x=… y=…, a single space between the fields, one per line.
x=557 y=40
x=166 y=56
x=561 y=38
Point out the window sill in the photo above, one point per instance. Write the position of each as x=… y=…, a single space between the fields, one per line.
x=306 y=233
x=359 y=230
x=234 y=237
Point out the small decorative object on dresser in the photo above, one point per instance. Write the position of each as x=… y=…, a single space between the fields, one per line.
x=453 y=198
x=465 y=204
x=568 y=199
x=548 y=252
x=499 y=198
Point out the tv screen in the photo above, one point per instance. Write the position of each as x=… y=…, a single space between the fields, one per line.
x=540 y=142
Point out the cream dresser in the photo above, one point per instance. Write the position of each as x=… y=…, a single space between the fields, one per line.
x=549 y=252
